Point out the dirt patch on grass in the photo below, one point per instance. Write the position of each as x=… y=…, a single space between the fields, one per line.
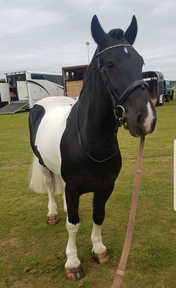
x=164 y=158
x=12 y=242
x=28 y=281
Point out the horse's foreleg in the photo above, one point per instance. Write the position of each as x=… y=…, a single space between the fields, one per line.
x=73 y=268
x=52 y=216
x=99 y=250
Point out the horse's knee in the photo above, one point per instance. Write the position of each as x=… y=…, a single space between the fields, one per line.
x=73 y=228
x=98 y=216
x=72 y=201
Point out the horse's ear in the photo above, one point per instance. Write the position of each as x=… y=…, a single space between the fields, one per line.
x=98 y=33
x=131 y=32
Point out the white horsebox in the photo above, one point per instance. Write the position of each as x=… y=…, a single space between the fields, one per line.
x=24 y=88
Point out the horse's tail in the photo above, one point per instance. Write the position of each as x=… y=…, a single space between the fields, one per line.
x=38 y=180
x=37 y=183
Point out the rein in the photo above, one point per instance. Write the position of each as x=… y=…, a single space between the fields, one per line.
x=116 y=99
x=124 y=257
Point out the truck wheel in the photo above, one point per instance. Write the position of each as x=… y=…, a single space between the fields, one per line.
x=167 y=98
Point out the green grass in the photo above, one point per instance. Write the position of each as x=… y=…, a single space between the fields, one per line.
x=32 y=254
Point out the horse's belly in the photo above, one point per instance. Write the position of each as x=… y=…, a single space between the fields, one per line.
x=49 y=135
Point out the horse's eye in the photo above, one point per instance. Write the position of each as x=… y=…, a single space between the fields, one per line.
x=110 y=65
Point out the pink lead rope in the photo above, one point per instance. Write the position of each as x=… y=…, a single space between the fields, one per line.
x=126 y=248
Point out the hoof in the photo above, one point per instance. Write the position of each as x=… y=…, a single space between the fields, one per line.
x=74 y=274
x=53 y=219
x=101 y=258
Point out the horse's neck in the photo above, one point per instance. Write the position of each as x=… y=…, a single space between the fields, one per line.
x=98 y=124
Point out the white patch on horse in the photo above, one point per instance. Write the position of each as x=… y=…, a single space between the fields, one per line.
x=71 y=250
x=126 y=50
x=149 y=119
x=96 y=238
x=48 y=139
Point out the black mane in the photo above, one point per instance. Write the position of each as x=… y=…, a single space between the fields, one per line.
x=116 y=33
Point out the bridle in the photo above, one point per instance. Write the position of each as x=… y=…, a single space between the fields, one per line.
x=119 y=110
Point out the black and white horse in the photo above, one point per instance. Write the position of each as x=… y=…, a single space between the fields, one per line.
x=75 y=142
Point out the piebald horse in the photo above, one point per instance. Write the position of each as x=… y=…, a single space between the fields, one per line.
x=75 y=142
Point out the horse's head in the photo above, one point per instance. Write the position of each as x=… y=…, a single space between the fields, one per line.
x=120 y=67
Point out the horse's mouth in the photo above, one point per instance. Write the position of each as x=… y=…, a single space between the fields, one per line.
x=140 y=126
x=140 y=132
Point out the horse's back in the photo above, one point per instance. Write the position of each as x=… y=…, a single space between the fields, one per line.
x=47 y=122
x=55 y=102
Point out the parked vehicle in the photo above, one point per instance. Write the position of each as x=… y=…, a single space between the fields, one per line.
x=155 y=81
x=168 y=91
x=73 y=79
x=23 y=89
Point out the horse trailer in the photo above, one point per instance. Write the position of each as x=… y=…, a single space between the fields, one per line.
x=155 y=81
x=73 y=79
x=23 y=89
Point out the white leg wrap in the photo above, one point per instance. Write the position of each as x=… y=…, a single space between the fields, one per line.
x=71 y=250
x=96 y=239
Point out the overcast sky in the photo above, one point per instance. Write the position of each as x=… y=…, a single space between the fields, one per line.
x=46 y=35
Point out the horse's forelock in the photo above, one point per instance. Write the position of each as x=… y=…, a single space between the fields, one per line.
x=116 y=33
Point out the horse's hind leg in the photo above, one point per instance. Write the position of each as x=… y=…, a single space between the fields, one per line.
x=48 y=178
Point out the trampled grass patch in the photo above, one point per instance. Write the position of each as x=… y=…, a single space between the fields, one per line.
x=32 y=254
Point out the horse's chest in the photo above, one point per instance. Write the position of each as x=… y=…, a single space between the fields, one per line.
x=97 y=181
x=89 y=175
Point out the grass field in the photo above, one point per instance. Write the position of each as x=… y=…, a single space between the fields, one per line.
x=32 y=254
